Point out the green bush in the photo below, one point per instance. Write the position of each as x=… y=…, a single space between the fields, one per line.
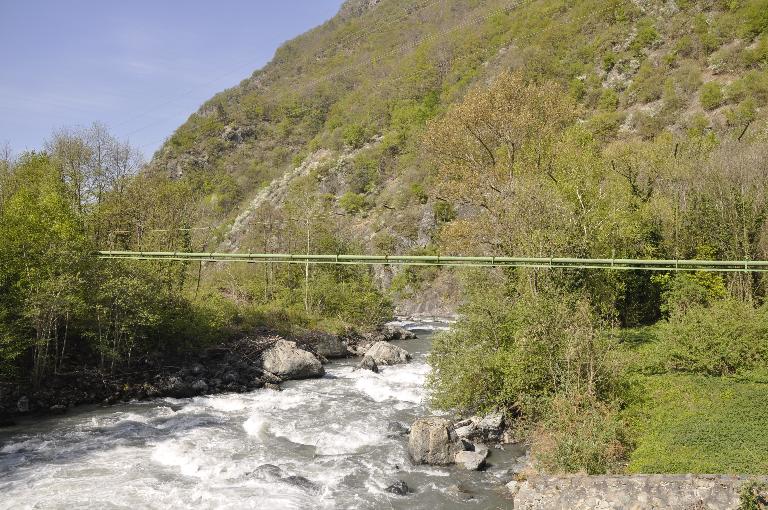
x=756 y=17
x=515 y=352
x=724 y=338
x=355 y=136
x=711 y=95
x=352 y=203
x=682 y=292
x=444 y=212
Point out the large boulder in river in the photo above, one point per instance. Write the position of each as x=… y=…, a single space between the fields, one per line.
x=432 y=441
x=392 y=332
x=472 y=459
x=385 y=353
x=287 y=361
x=325 y=344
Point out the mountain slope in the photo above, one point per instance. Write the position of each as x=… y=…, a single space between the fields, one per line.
x=340 y=112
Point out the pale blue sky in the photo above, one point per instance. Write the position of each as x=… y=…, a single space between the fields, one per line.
x=139 y=66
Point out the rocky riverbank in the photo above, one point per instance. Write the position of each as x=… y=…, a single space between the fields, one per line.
x=263 y=360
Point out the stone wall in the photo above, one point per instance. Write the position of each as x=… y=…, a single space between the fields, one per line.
x=657 y=492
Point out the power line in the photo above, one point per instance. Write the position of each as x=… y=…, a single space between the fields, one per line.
x=721 y=266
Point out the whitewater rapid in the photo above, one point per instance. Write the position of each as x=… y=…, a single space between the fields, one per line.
x=320 y=443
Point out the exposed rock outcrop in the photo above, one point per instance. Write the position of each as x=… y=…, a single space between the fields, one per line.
x=639 y=492
x=432 y=441
x=287 y=361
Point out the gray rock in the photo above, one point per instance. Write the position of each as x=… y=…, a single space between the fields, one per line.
x=369 y=364
x=432 y=441
x=269 y=377
x=57 y=409
x=400 y=488
x=637 y=492
x=23 y=404
x=471 y=460
x=466 y=431
x=197 y=369
x=492 y=422
x=199 y=387
x=287 y=361
x=396 y=429
x=177 y=388
x=385 y=353
x=268 y=472
x=398 y=333
x=303 y=483
x=327 y=345
x=272 y=386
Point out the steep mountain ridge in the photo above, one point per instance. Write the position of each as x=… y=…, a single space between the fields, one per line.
x=360 y=89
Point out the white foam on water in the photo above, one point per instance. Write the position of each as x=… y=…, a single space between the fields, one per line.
x=256 y=426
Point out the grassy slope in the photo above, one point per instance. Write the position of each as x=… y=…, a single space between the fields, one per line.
x=684 y=423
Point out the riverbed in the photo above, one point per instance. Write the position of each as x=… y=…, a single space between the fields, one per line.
x=321 y=443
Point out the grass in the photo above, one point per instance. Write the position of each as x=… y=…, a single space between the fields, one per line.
x=690 y=423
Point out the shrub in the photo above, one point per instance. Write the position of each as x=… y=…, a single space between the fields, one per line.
x=355 y=136
x=756 y=17
x=753 y=496
x=724 y=338
x=711 y=95
x=444 y=212
x=609 y=100
x=742 y=114
x=514 y=352
x=352 y=203
x=605 y=125
x=685 y=291
x=581 y=435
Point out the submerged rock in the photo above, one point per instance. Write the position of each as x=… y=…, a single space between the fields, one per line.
x=385 y=353
x=432 y=441
x=268 y=472
x=303 y=483
x=369 y=364
x=400 y=488
x=287 y=361
x=396 y=429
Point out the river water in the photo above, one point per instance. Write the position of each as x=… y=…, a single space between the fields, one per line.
x=318 y=444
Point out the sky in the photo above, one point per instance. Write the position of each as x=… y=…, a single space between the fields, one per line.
x=140 y=66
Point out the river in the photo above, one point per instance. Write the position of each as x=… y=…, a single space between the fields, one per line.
x=320 y=443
